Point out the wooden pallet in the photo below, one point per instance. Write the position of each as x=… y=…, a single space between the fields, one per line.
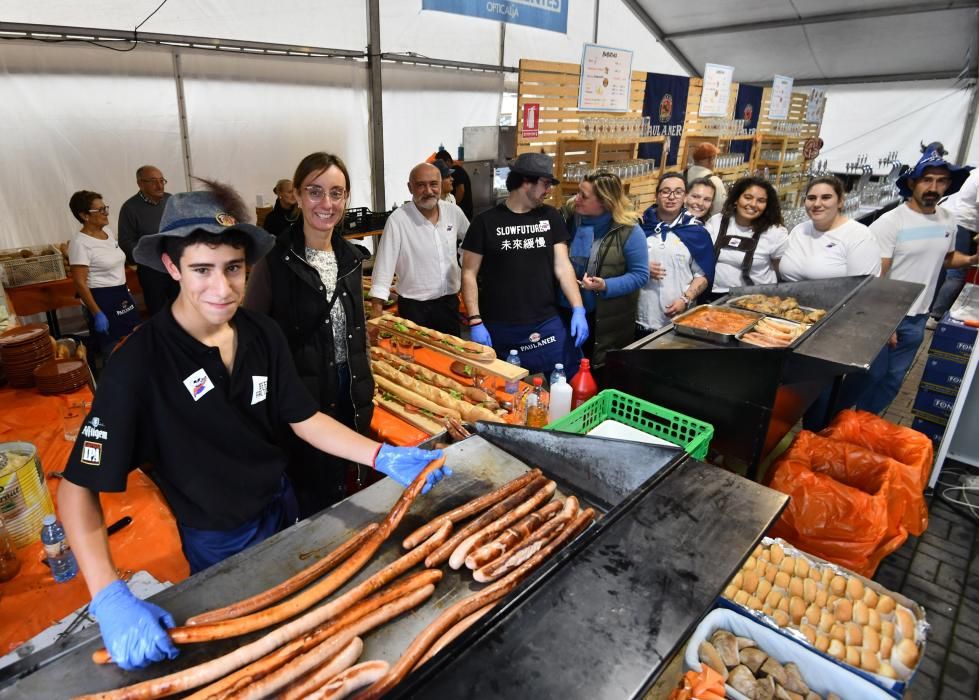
x=554 y=86
x=495 y=367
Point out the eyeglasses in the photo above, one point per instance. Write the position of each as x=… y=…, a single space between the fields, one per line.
x=672 y=193
x=100 y=210
x=316 y=194
x=155 y=180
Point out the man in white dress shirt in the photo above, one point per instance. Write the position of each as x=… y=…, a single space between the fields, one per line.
x=419 y=245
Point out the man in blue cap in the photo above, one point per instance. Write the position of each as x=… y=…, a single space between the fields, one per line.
x=203 y=392
x=916 y=240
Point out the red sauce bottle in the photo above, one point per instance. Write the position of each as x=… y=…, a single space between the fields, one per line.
x=583 y=385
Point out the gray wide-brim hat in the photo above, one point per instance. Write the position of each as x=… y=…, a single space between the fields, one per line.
x=187 y=212
x=535 y=165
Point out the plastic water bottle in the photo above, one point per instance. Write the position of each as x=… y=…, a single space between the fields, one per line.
x=557 y=374
x=560 y=400
x=59 y=554
x=511 y=387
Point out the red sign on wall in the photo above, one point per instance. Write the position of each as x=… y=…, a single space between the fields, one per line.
x=531 y=117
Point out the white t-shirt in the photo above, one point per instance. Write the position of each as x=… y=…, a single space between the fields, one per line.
x=105 y=260
x=770 y=247
x=964 y=204
x=917 y=245
x=848 y=250
x=656 y=295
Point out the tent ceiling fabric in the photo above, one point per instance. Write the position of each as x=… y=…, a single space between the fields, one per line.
x=935 y=41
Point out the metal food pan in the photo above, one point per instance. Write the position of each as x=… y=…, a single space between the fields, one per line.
x=751 y=317
x=807 y=327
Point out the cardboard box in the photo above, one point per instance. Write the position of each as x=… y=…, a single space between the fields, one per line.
x=953 y=338
x=942 y=374
x=931 y=405
x=934 y=431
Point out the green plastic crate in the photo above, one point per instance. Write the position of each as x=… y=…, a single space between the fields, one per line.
x=689 y=433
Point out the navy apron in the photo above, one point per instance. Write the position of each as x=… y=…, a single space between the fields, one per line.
x=541 y=345
x=119 y=307
x=203 y=548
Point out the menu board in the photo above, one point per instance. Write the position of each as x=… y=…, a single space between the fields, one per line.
x=815 y=106
x=716 y=91
x=606 y=79
x=778 y=106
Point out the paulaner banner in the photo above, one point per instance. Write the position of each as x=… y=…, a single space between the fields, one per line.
x=551 y=15
x=665 y=104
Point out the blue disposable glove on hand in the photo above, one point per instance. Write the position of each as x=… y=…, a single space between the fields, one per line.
x=403 y=464
x=133 y=630
x=480 y=335
x=101 y=323
x=579 y=326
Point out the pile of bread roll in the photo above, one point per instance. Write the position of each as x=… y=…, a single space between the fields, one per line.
x=836 y=613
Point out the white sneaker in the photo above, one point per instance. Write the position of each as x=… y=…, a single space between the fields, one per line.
x=931 y=324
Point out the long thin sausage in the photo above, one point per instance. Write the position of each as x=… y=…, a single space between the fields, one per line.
x=469 y=605
x=352 y=680
x=504 y=506
x=453 y=633
x=512 y=536
x=313 y=594
x=498 y=567
x=287 y=587
x=339 y=663
x=219 y=668
x=469 y=509
x=459 y=554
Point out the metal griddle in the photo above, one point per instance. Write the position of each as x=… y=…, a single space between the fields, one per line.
x=616 y=477
x=752 y=395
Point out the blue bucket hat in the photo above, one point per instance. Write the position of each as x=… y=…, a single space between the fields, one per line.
x=932 y=158
x=187 y=212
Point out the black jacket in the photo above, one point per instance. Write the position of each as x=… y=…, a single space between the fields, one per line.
x=280 y=219
x=289 y=289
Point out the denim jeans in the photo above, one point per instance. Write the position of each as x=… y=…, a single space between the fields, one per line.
x=892 y=364
x=950 y=282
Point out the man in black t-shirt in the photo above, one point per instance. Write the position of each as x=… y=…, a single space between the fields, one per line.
x=203 y=391
x=461 y=185
x=519 y=251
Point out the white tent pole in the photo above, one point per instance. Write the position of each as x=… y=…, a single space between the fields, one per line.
x=594 y=35
x=375 y=108
x=178 y=79
x=969 y=127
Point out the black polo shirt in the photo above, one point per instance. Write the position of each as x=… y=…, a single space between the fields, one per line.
x=213 y=439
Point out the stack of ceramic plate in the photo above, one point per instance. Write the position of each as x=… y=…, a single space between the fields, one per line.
x=61 y=376
x=22 y=350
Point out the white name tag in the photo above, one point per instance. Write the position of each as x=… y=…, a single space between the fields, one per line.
x=260 y=389
x=198 y=384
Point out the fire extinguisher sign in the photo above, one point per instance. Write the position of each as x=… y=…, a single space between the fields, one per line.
x=531 y=117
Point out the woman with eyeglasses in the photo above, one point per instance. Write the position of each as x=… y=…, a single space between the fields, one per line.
x=311 y=284
x=608 y=253
x=681 y=258
x=98 y=269
x=749 y=236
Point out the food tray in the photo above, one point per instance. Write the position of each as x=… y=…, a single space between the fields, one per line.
x=894 y=687
x=821 y=674
x=689 y=433
x=751 y=318
x=18 y=271
x=805 y=326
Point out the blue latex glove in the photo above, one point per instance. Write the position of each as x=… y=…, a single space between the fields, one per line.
x=579 y=326
x=404 y=463
x=480 y=335
x=101 y=323
x=133 y=630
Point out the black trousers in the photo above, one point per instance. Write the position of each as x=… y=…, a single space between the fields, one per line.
x=440 y=314
x=159 y=288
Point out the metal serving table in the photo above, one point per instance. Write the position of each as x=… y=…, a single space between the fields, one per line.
x=753 y=396
x=672 y=532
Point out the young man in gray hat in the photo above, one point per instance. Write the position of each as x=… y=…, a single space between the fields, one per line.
x=519 y=251
x=203 y=392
